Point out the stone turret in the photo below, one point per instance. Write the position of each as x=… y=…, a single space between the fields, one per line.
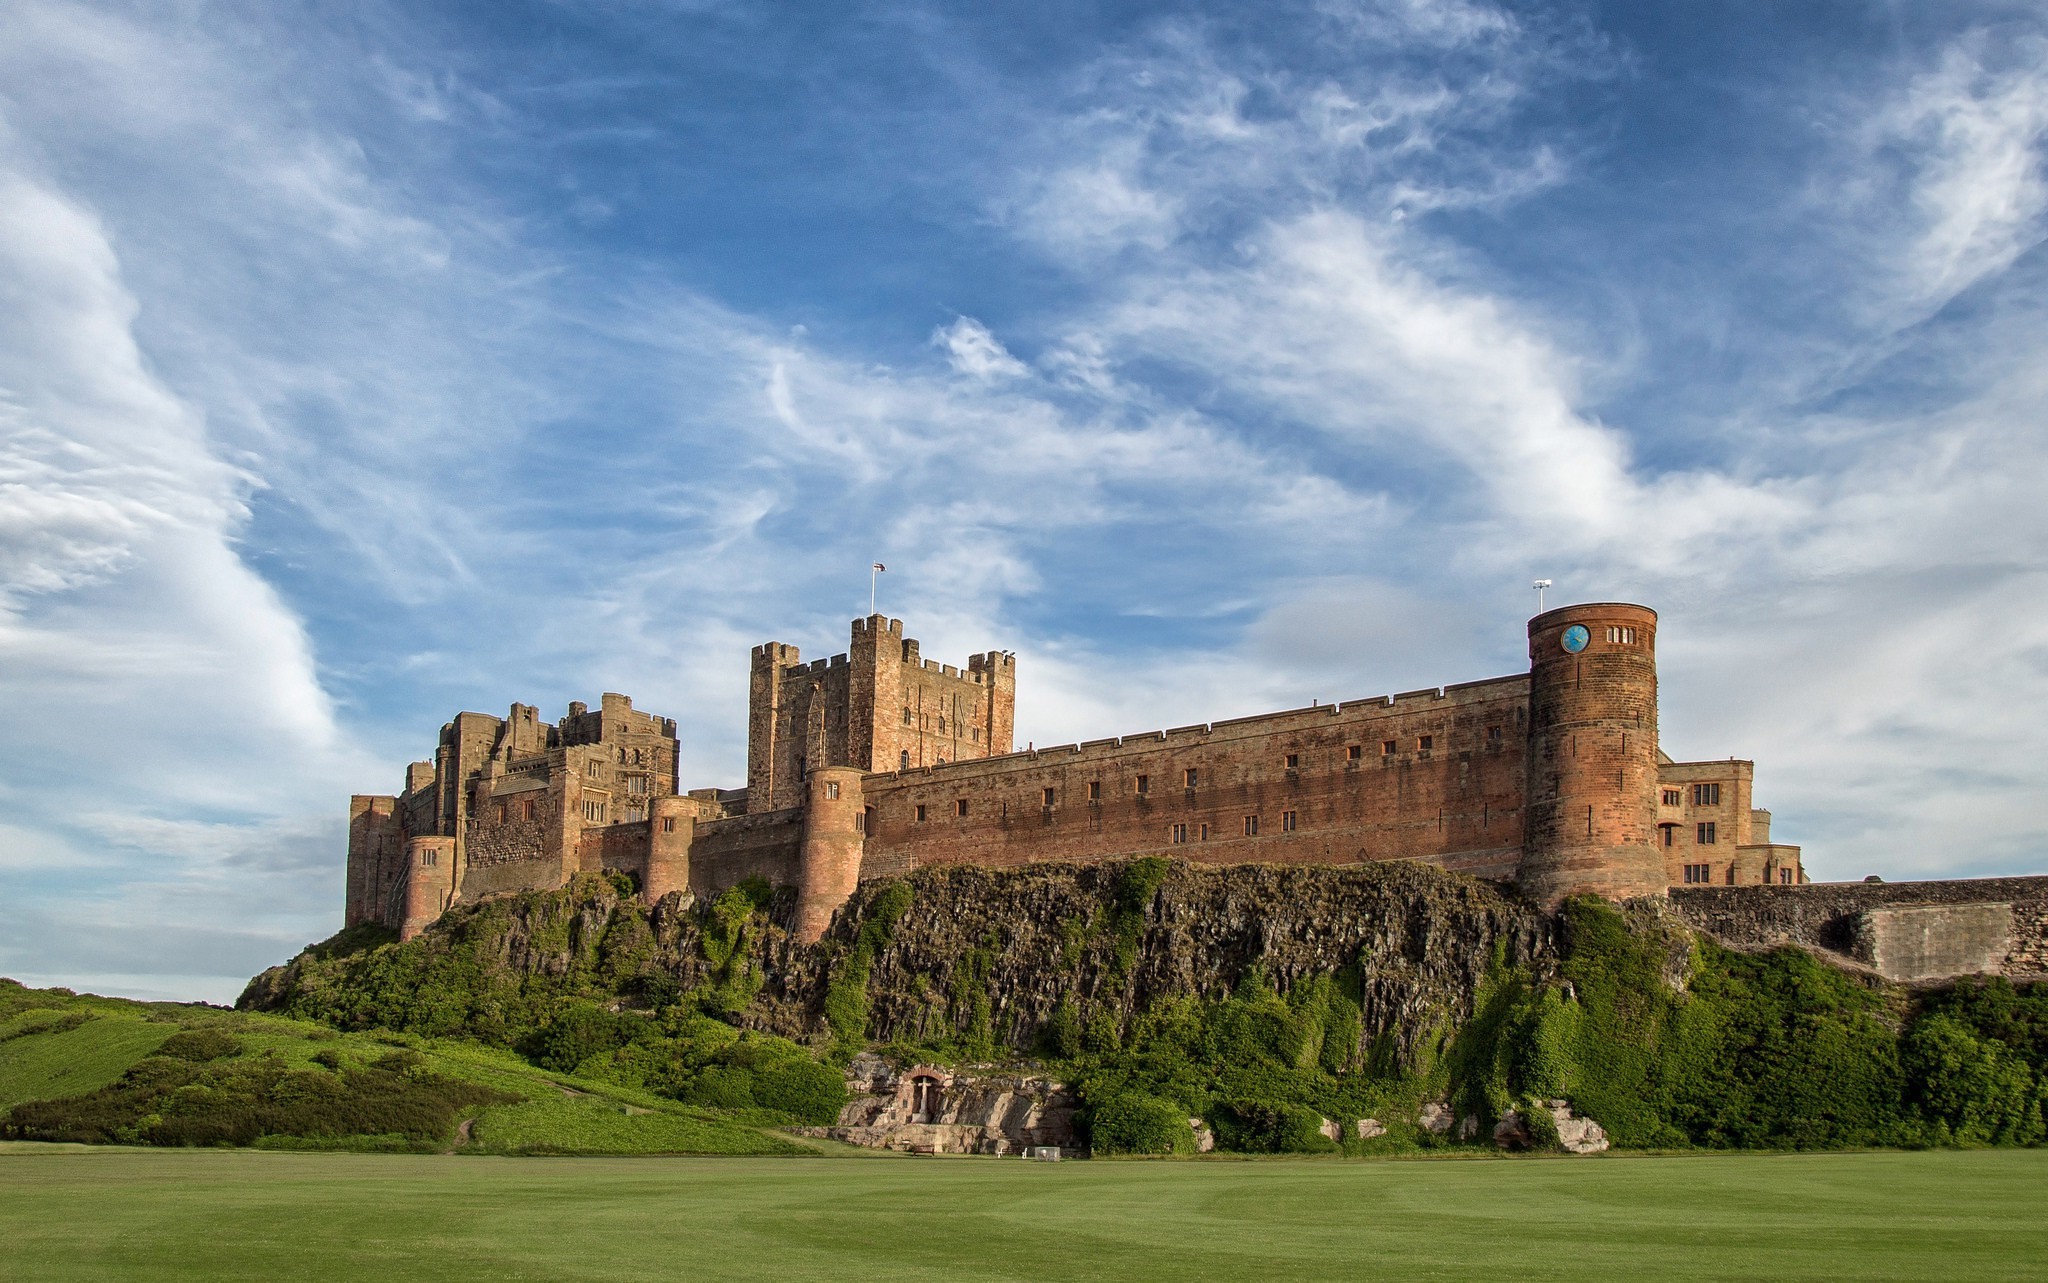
x=828 y=868
x=1592 y=763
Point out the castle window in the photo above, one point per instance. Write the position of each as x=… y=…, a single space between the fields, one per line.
x=1425 y=743
x=1287 y=821
x=903 y=760
x=1706 y=833
x=668 y=824
x=1493 y=736
x=906 y=714
x=1706 y=795
x=801 y=773
x=1144 y=783
x=832 y=789
x=1785 y=876
x=942 y=723
x=1622 y=636
x=1095 y=790
x=1177 y=833
x=1251 y=826
x=1669 y=832
x=960 y=808
x=920 y=813
x=1698 y=873
x=1354 y=752
x=526 y=809
x=1731 y=875
x=591 y=770
x=636 y=813
x=622 y=757
x=1205 y=833
x=1049 y=795
x=974 y=735
x=637 y=784
x=1189 y=777
x=1387 y=748
x=1672 y=797
x=1293 y=761
x=426 y=858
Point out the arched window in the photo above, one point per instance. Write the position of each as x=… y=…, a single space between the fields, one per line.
x=903 y=760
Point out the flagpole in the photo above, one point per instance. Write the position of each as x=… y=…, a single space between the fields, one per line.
x=874 y=571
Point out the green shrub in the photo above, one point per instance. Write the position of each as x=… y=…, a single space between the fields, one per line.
x=200 y=1045
x=1132 y=1123
x=1977 y=1091
x=1273 y=1127
x=579 y=1033
x=167 y=1101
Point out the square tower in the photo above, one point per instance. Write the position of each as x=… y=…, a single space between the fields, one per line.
x=881 y=706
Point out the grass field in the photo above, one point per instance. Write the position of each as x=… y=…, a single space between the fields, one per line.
x=165 y=1215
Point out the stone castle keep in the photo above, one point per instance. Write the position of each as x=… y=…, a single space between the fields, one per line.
x=878 y=761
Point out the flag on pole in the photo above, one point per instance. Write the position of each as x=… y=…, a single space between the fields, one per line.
x=880 y=566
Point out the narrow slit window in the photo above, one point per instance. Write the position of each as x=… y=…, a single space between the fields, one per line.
x=1049 y=796
x=1189 y=777
x=1144 y=785
x=920 y=813
x=960 y=808
x=1095 y=790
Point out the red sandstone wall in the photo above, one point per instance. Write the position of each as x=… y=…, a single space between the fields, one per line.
x=766 y=845
x=1457 y=803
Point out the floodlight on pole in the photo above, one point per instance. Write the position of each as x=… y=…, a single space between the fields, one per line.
x=1539 y=585
x=873 y=571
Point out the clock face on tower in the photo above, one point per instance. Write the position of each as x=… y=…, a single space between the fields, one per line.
x=1576 y=637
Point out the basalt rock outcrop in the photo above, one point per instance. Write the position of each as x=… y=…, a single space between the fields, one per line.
x=1001 y=951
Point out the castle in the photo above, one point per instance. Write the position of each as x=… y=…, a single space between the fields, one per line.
x=878 y=761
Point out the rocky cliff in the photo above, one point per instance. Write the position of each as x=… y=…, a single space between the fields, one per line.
x=988 y=959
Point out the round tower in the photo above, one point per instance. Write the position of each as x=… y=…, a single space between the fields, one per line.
x=429 y=883
x=671 y=829
x=1592 y=787
x=829 y=868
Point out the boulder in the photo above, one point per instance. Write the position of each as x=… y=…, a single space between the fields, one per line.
x=1576 y=1135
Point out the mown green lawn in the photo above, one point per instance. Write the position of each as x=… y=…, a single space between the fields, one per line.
x=101 y=1214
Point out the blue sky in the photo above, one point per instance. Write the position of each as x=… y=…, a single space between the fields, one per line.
x=361 y=365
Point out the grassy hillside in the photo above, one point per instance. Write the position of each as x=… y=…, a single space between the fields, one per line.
x=107 y=1070
x=1951 y=1215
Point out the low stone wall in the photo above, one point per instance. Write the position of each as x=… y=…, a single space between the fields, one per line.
x=1903 y=930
